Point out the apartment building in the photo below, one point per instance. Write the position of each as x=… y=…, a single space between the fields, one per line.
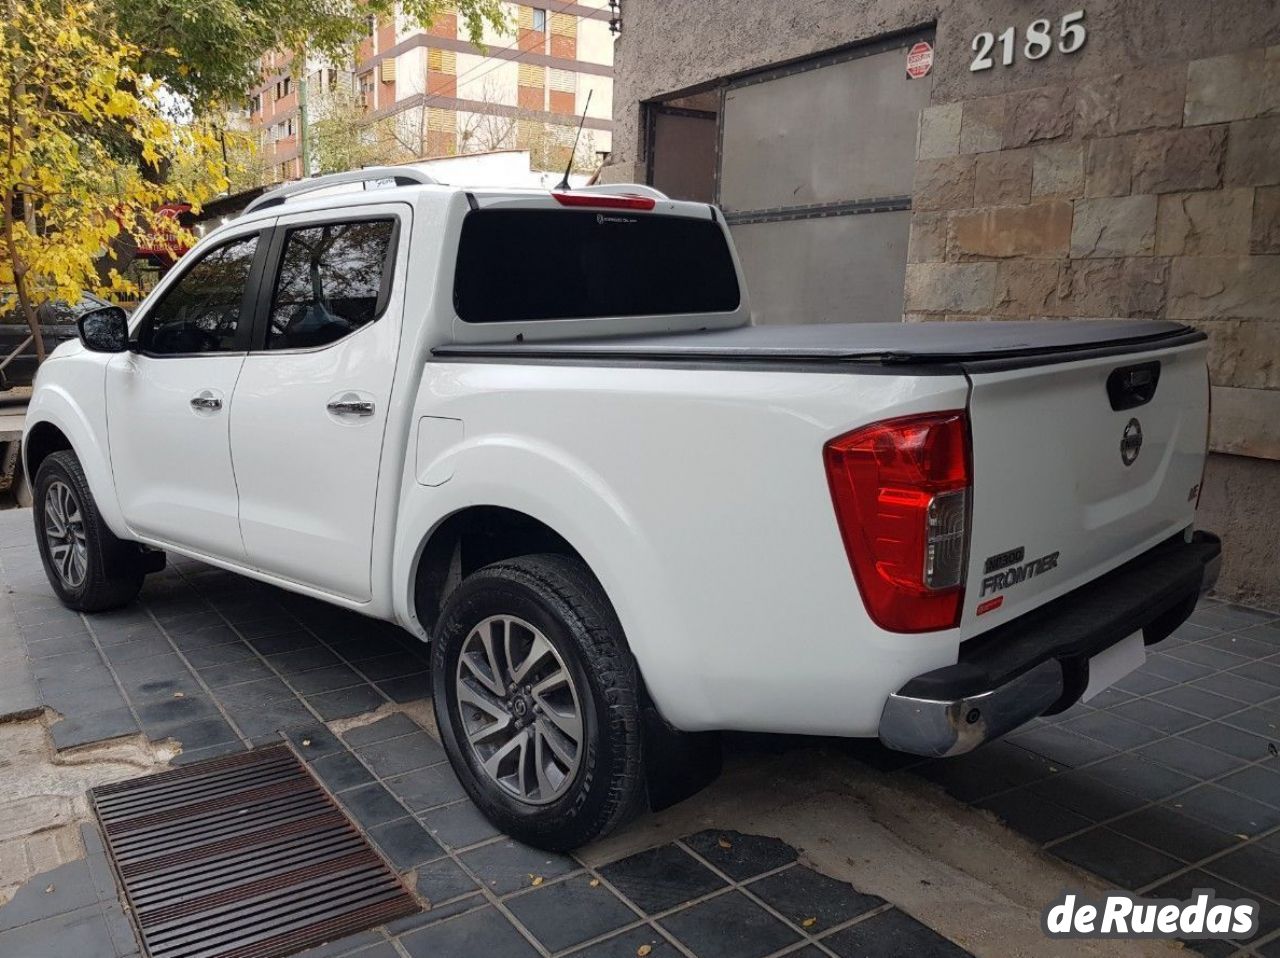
x=430 y=93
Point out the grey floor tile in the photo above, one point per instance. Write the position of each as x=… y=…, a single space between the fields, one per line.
x=94 y=727
x=1197 y=701
x=812 y=900
x=1147 y=780
x=1226 y=810
x=1237 y=687
x=84 y=934
x=1231 y=740
x=406 y=843
x=729 y=926
x=402 y=754
x=1188 y=757
x=442 y=880
x=628 y=944
x=64 y=889
x=740 y=856
x=484 y=932
x=427 y=788
x=506 y=866
x=346 y=703
x=371 y=805
x=1039 y=820
x=1259 y=782
x=892 y=933
x=1251 y=867
x=569 y=912
x=458 y=825
x=661 y=878
x=1061 y=746
x=1113 y=730
x=1174 y=833
x=341 y=771
x=390 y=727
x=1116 y=858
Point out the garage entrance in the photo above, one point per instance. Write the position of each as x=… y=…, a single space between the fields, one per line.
x=812 y=164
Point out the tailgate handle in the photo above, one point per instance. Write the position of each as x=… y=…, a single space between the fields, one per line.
x=1131 y=386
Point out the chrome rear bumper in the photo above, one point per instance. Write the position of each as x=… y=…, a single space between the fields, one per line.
x=1040 y=661
x=938 y=728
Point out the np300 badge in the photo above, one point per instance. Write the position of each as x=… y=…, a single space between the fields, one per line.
x=1131 y=442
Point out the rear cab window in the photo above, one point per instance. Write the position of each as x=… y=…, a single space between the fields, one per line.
x=523 y=265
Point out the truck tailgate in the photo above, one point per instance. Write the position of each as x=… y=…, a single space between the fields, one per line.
x=1077 y=468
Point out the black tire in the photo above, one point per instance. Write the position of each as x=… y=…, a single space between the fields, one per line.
x=560 y=597
x=113 y=572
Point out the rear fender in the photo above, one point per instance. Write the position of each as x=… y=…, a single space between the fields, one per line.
x=565 y=494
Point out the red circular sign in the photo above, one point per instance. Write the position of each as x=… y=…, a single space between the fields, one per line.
x=919 y=60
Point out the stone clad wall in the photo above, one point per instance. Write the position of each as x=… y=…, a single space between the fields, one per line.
x=1153 y=193
x=1138 y=177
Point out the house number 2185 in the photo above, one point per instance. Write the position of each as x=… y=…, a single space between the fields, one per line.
x=1037 y=41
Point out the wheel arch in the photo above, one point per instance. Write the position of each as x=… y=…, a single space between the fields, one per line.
x=469 y=539
x=55 y=421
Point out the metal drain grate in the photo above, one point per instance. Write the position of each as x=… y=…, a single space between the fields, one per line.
x=243 y=857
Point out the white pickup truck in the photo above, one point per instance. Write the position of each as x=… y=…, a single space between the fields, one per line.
x=541 y=430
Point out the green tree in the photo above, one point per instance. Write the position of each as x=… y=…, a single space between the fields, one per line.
x=208 y=51
x=69 y=93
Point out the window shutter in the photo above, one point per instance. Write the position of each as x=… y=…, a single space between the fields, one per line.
x=387 y=70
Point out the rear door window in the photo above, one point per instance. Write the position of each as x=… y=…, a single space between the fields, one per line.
x=333 y=280
x=519 y=265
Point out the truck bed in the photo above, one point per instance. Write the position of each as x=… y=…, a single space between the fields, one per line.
x=988 y=345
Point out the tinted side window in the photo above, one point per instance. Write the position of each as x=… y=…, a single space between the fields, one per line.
x=571 y=264
x=331 y=282
x=201 y=312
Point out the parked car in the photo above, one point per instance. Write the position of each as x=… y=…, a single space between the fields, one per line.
x=57 y=324
x=541 y=431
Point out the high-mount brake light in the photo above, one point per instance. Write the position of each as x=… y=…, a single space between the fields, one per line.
x=605 y=201
x=901 y=495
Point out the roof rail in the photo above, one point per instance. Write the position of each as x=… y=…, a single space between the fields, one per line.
x=623 y=189
x=403 y=176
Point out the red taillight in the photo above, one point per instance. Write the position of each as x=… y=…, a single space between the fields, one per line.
x=901 y=490
x=607 y=201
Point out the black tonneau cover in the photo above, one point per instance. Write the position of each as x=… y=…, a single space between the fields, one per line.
x=881 y=344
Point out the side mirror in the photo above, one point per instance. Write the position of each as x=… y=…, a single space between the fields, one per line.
x=104 y=330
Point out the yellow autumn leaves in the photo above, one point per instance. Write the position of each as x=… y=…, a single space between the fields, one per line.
x=85 y=145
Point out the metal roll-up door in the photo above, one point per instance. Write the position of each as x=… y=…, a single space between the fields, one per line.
x=815 y=169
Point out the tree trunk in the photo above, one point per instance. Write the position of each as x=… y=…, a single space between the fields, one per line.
x=20 y=278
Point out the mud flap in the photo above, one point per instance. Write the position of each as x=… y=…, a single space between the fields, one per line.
x=677 y=765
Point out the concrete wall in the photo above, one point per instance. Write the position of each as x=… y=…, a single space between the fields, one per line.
x=1139 y=177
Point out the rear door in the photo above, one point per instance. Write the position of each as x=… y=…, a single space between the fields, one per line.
x=311 y=402
x=1076 y=471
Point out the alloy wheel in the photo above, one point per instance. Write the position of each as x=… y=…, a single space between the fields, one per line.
x=520 y=709
x=64 y=534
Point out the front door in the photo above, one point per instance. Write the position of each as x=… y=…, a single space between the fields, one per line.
x=169 y=402
x=311 y=401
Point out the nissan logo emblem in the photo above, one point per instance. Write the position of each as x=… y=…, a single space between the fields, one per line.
x=1131 y=442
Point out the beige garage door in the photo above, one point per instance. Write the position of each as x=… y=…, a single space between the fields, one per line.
x=815 y=169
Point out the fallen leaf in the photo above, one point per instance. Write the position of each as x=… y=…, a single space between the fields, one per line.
x=809 y=922
x=535 y=880
x=48 y=889
x=595 y=883
x=306 y=741
x=179 y=695
x=644 y=950
x=1243 y=837
x=724 y=842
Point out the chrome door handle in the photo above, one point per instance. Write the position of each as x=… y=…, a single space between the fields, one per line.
x=206 y=402
x=351 y=407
